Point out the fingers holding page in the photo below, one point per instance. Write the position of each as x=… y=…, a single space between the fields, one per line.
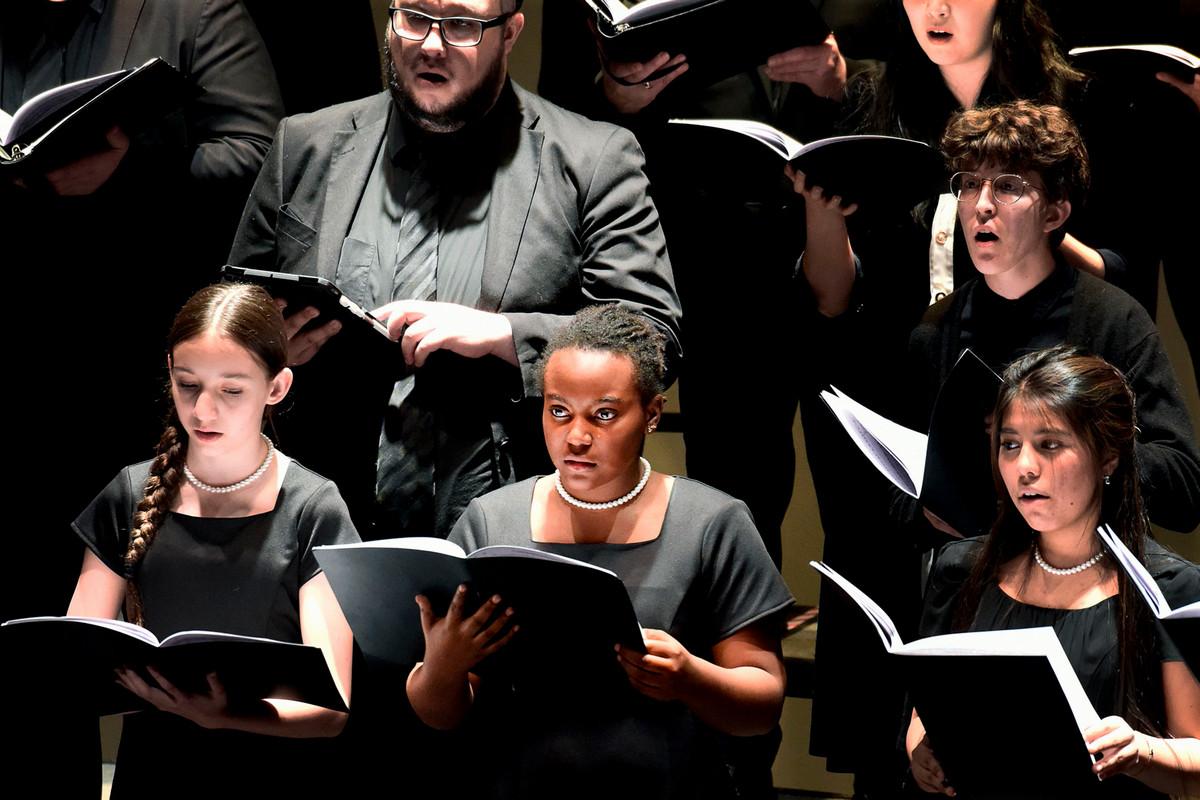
x=460 y=640
x=815 y=197
x=927 y=771
x=663 y=671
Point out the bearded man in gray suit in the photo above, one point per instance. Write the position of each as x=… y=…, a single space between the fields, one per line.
x=476 y=218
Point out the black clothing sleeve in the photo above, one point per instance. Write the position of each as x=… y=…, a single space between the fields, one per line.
x=950 y=571
x=324 y=520
x=105 y=524
x=1108 y=323
x=233 y=118
x=744 y=586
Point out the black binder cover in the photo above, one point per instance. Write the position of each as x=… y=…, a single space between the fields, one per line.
x=132 y=101
x=719 y=37
x=876 y=171
x=575 y=612
x=1185 y=635
x=1000 y=726
x=86 y=656
x=882 y=171
x=301 y=291
x=1131 y=66
x=958 y=459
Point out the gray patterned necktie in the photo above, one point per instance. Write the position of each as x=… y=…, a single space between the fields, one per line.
x=404 y=482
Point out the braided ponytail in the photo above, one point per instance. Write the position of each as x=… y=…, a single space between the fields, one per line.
x=161 y=489
x=246 y=315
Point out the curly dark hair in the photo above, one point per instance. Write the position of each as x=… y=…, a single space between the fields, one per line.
x=614 y=329
x=1025 y=137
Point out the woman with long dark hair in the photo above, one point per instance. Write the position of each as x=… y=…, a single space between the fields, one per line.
x=217 y=533
x=1064 y=463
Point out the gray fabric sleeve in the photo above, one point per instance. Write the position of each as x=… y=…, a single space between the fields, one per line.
x=232 y=120
x=324 y=519
x=744 y=587
x=623 y=259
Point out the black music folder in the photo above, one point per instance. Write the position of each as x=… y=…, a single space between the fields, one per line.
x=948 y=470
x=1133 y=61
x=1004 y=710
x=70 y=121
x=85 y=651
x=886 y=171
x=719 y=37
x=1182 y=624
x=302 y=291
x=564 y=608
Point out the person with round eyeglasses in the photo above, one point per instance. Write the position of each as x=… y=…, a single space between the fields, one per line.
x=1006 y=188
x=1020 y=170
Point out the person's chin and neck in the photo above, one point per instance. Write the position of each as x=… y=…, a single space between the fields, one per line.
x=441 y=89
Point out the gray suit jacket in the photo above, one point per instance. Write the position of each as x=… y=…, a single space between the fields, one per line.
x=571 y=224
x=214 y=43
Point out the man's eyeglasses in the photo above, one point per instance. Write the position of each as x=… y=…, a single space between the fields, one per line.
x=1006 y=189
x=456 y=31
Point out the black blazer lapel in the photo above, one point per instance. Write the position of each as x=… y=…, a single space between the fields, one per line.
x=112 y=46
x=353 y=156
x=512 y=195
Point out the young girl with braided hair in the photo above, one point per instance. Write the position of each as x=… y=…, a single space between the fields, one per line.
x=217 y=533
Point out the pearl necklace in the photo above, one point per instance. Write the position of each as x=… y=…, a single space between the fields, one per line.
x=620 y=501
x=1041 y=562
x=243 y=483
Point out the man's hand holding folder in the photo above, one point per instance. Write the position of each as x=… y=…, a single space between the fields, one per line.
x=87 y=174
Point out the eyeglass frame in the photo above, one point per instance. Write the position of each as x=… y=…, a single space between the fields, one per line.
x=484 y=24
x=1024 y=185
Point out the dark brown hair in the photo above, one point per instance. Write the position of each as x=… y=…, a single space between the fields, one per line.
x=238 y=311
x=1027 y=62
x=1094 y=400
x=1024 y=137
